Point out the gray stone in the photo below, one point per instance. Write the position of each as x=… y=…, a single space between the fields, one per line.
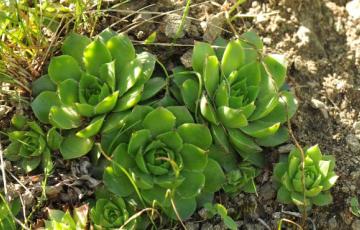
x=207 y=226
x=353 y=143
x=267 y=192
x=355 y=225
x=173 y=23
x=332 y=223
x=214 y=26
x=192 y=226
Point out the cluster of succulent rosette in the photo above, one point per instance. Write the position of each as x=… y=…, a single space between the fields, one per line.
x=167 y=142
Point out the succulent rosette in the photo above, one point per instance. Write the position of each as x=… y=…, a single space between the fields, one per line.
x=319 y=178
x=90 y=80
x=28 y=147
x=59 y=220
x=241 y=179
x=110 y=214
x=240 y=92
x=162 y=153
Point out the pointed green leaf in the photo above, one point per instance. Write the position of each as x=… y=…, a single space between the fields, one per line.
x=233 y=57
x=196 y=134
x=152 y=123
x=95 y=55
x=314 y=153
x=182 y=114
x=200 y=53
x=147 y=61
x=184 y=207
x=172 y=139
x=107 y=74
x=19 y=121
x=152 y=87
x=322 y=199
x=242 y=142
x=64 y=117
x=107 y=104
x=285 y=108
x=121 y=50
x=192 y=185
x=129 y=75
x=222 y=95
x=75 y=147
x=279 y=170
x=74 y=45
x=324 y=167
x=231 y=118
x=93 y=128
x=117 y=183
x=280 y=137
x=129 y=100
x=41 y=105
x=283 y=195
x=68 y=91
x=42 y=84
x=276 y=68
x=207 y=110
x=261 y=129
x=190 y=93
x=64 y=67
x=220 y=137
x=106 y=35
x=211 y=76
x=329 y=181
x=115 y=121
x=214 y=177
x=29 y=164
x=138 y=140
x=54 y=139
x=195 y=159
x=250 y=72
x=85 y=110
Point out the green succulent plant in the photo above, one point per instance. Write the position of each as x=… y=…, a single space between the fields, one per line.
x=319 y=178
x=59 y=220
x=163 y=153
x=90 y=80
x=110 y=214
x=28 y=147
x=241 y=179
x=240 y=92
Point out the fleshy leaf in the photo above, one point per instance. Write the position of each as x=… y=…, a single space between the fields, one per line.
x=184 y=207
x=107 y=104
x=68 y=91
x=93 y=128
x=121 y=50
x=195 y=159
x=260 y=129
x=189 y=93
x=196 y=134
x=278 y=138
x=42 y=104
x=192 y=185
x=138 y=140
x=42 y=84
x=285 y=109
x=322 y=199
x=172 y=139
x=107 y=74
x=64 y=117
x=130 y=99
x=233 y=57
x=152 y=123
x=200 y=53
x=113 y=180
x=95 y=55
x=74 y=45
x=152 y=87
x=231 y=118
x=214 y=177
x=182 y=114
x=64 y=67
x=276 y=67
x=211 y=75
x=75 y=147
x=283 y=195
x=54 y=139
x=242 y=142
x=208 y=111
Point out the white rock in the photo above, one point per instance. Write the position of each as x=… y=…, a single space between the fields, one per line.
x=353 y=8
